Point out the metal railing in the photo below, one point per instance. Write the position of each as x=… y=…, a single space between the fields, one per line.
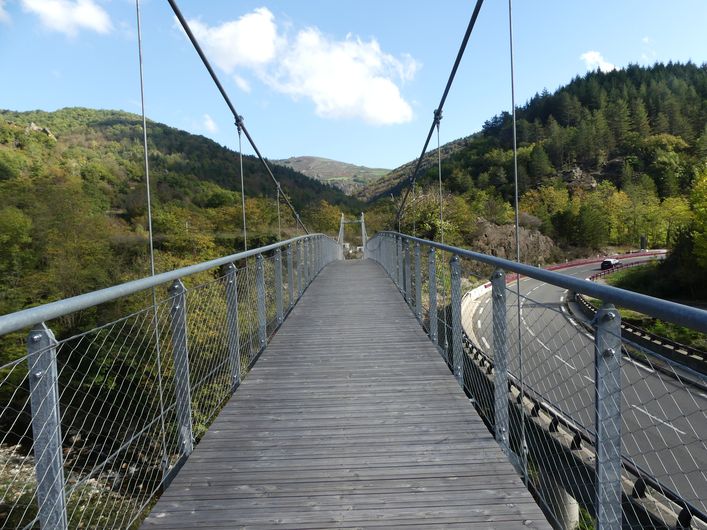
x=602 y=429
x=95 y=422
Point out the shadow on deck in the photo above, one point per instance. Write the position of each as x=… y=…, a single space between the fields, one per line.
x=350 y=419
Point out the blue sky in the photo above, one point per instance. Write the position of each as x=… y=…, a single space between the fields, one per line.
x=352 y=80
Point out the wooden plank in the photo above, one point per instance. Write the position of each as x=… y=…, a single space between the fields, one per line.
x=350 y=419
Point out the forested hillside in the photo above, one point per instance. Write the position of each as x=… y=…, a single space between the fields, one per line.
x=73 y=210
x=602 y=161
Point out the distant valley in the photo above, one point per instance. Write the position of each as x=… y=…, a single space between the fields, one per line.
x=347 y=177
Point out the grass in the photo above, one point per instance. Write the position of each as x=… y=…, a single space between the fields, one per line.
x=647 y=279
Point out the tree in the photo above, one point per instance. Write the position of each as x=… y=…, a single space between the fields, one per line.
x=539 y=165
x=677 y=216
x=639 y=118
x=699 y=207
x=322 y=217
x=618 y=117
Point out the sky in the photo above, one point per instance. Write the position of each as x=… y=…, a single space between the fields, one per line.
x=351 y=80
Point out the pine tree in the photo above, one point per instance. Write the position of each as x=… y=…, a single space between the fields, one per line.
x=639 y=118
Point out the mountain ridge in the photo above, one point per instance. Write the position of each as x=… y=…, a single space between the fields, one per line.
x=343 y=175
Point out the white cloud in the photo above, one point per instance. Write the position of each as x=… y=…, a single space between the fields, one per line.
x=209 y=124
x=345 y=79
x=249 y=41
x=69 y=16
x=348 y=78
x=241 y=83
x=4 y=17
x=649 y=55
x=594 y=60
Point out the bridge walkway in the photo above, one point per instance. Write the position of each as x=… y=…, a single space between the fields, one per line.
x=350 y=419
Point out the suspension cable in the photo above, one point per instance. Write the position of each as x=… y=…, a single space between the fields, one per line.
x=438 y=119
x=524 y=446
x=165 y=462
x=462 y=47
x=279 y=223
x=240 y=160
x=236 y=116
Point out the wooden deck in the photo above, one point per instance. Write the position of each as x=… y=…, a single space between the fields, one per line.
x=350 y=419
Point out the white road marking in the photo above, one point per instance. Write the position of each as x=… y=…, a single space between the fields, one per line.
x=562 y=298
x=658 y=419
x=483 y=339
x=561 y=359
x=702 y=395
x=573 y=321
x=481 y=310
x=639 y=365
x=562 y=308
x=478 y=324
x=589 y=336
x=534 y=289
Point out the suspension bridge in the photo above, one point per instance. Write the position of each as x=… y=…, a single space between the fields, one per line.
x=283 y=386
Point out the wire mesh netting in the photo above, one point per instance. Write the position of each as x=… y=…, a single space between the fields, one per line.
x=95 y=424
x=552 y=356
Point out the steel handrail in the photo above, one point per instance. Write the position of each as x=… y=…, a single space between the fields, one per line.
x=672 y=312
x=43 y=313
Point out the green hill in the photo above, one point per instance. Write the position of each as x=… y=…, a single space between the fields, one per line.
x=604 y=161
x=73 y=211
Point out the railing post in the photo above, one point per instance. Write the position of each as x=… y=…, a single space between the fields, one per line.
x=260 y=283
x=500 y=358
x=305 y=260
x=300 y=268
x=315 y=256
x=234 y=344
x=399 y=262
x=46 y=428
x=180 y=353
x=457 y=351
x=313 y=250
x=290 y=277
x=364 y=236
x=407 y=271
x=418 y=283
x=607 y=355
x=278 y=286
x=432 y=286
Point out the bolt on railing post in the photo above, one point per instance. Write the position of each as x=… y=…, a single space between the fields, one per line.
x=399 y=262
x=457 y=351
x=432 y=286
x=408 y=274
x=500 y=358
x=607 y=355
x=300 y=268
x=260 y=284
x=278 y=286
x=290 y=277
x=46 y=428
x=418 y=283
x=180 y=352
x=234 y=345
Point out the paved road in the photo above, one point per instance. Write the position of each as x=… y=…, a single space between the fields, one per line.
x=664 y=422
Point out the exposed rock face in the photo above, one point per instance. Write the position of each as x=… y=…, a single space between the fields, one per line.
x=578 y=179
x=34 y=127
x=499 y=240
